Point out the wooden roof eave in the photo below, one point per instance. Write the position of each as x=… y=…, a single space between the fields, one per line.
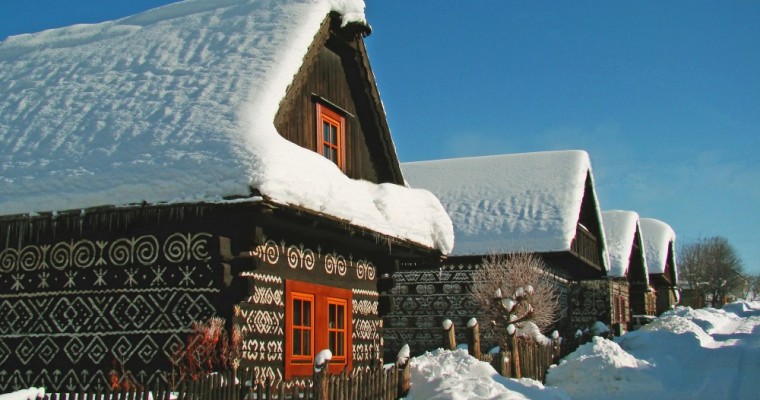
x=389 y=149
x=575 y=266
x=368 y=239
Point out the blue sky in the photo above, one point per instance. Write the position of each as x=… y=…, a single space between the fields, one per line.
x=665 y=96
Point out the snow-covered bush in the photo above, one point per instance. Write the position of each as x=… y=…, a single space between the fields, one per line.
x=512 y=290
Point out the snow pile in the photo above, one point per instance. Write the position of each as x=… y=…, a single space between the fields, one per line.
x=684 y=354
x=620 y=231
x=26 y=394
x=455 y=375
x=604 y=363
x=509 y=203
x=177 y=104
x=599 y=328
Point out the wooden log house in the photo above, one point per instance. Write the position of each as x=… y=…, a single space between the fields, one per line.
x=201 y=159
x=630 y=294
x=659 y=244
x=542 y=203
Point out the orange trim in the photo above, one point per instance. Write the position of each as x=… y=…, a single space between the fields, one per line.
x=322 y=297
x=332 y=118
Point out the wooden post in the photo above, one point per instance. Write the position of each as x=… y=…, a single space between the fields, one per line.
x=321 y=381
x=516 y=370
x=501 y=361
x=473 y=338
x=404 y=378
x=449 y=335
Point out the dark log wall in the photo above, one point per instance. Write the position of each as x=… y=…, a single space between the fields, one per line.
x=81 y=290
x=592 y=301
x=423 y=299
x=334 y=77
x=282 y=256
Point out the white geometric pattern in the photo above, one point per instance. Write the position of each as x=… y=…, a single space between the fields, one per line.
x=262 y=322
x=266 y=295
x=364 y=307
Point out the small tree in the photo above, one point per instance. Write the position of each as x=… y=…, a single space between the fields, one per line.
x=513 y=289
x=711 y=267
x=208 y=349
x=753 y=288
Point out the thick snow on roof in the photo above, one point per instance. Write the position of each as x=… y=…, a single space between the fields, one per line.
x=657 y=237
x=508 y=203
x=620 y=230
x=177 y=105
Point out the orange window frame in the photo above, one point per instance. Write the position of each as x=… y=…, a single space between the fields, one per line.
x=302 y=343
x=323 y=297
x=326 y=116
x=337 y=329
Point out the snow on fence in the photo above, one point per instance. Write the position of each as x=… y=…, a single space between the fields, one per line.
x=523 y=357
x=376 y=383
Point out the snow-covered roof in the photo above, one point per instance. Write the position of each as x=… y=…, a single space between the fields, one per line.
x=620 y=231
x=177 y=104
x=509 y=203
x=658 y=237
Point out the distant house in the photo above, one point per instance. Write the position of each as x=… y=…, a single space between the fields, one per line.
x=628 y=269
x=201 y=159
x=542 y=203
x=659 y=245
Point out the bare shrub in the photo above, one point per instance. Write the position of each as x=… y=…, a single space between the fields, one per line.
x=209 y=348
x=514 y=289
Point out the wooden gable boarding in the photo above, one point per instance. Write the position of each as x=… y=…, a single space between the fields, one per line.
x=336 y=75
x=83 y=289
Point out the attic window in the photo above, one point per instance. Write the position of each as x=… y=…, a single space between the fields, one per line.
x=331 y=136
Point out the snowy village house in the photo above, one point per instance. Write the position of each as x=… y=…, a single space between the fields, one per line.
x=629 y=280
x=542 y=203
x=189 y=161
x=659 y=246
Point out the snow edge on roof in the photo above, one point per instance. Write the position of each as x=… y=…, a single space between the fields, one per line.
x=511 y=202
x=620 y=228
x=658 y=237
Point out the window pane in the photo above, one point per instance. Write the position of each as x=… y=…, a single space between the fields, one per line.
x=307 y=313
x=340 y=346
x=334 y=135
x=341 y=318
x=297 y=342
x=326 y=132
x=332 y=343
x=297 y=306
x=307 y=343
x=333 y=314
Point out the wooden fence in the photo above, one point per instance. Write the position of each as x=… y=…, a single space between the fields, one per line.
x=521 y=357
x=376 y=383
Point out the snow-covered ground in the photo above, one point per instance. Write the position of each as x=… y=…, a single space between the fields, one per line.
x=684 y=354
